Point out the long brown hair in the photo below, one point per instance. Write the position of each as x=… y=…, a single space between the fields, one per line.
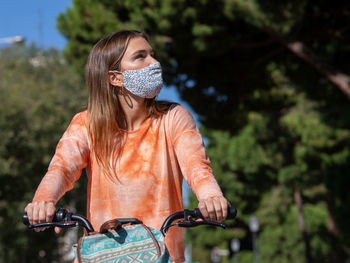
x=105 y=115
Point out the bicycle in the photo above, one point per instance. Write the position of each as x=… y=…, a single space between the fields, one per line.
x=123 y=230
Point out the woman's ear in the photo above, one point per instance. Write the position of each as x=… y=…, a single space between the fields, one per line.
x=115 y=79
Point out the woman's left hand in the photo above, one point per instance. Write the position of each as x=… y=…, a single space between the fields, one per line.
x=214 y=208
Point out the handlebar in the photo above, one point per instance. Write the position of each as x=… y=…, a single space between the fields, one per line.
x=190 y=217
x=62 y=218
x=65 y=219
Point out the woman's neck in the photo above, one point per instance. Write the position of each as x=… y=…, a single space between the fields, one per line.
x=134 y=109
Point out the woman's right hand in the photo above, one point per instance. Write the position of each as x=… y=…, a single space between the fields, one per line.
x=40 y=212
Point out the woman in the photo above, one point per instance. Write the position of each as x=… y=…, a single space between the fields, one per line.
x=136 y=150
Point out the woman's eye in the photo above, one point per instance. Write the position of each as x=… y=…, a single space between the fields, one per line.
x=140 y=56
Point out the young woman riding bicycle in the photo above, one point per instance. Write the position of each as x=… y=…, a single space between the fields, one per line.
x=136 y=150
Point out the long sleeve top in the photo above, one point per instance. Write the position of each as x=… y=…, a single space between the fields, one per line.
x=154 y=160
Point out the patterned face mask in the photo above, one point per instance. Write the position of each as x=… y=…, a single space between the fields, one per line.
x=146 y=82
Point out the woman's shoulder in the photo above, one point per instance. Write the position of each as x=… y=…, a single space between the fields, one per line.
x=178 y=117
x=177 y=110
x=179 y=113
x=80 y=118
x=78 y=122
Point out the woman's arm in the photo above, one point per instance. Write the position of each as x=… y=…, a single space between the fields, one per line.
x=72 y=155
x=195 y=165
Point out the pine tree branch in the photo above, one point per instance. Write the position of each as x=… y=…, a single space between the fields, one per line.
x=341 y=80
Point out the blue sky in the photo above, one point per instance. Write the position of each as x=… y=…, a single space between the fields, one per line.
x=33 y=19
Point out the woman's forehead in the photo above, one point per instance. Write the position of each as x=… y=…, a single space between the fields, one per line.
x=136 y=44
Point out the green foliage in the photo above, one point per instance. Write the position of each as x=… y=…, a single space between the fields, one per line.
x=260 y=167
x=40 y=95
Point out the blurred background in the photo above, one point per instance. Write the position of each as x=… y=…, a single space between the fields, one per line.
x=267 y=81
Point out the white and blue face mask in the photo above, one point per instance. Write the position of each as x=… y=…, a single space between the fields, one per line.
x=146 y=82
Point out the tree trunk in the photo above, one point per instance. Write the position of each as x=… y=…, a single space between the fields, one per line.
x=302 y=226
x=333 y=231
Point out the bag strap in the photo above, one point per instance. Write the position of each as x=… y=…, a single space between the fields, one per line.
x=113 y=224
x=78 y=250
x=156 y=244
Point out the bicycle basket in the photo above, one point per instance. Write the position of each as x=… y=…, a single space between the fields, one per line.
x=131 y=243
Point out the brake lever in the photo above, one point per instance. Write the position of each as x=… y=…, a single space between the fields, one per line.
x=193 y=223
x=55 y=224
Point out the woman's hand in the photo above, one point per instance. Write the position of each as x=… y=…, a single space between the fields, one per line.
x=214 y=208
x=40 y=212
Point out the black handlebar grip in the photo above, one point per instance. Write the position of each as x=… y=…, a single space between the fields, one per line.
x=58 y=217
x=231 y=213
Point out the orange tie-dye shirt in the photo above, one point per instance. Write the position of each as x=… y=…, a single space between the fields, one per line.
x=150 y=170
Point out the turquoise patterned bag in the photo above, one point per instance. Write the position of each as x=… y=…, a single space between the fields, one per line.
x=122 y=243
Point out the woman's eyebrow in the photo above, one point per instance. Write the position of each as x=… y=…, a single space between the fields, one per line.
x=142 y=51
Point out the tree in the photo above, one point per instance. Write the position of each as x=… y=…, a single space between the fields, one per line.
x=275 y=112
x=263 y=167
x=40 y=95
